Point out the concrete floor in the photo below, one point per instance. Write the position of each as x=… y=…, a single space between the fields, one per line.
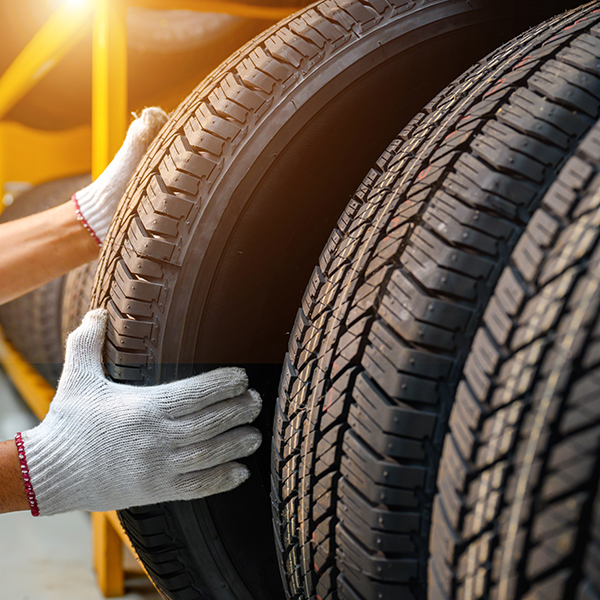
x=50 y=558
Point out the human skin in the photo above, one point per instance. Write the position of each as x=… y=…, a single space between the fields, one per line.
x=33 y=251
x=12 y=488
x=39 y=248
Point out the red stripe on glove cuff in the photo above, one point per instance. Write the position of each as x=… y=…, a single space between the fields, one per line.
x=81 y=218
x=35 y=511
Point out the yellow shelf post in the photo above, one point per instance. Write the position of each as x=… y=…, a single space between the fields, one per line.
x=108 y=556
x=109 y=126
x=109 y=82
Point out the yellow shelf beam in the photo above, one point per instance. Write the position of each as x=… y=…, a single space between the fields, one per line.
x=32 y=387
x=65 y=27
x=34 y=156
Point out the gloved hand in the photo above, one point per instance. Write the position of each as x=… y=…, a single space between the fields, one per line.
x=105 y=445
x=96 y=204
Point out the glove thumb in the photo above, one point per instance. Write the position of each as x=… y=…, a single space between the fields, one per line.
x=84 y=345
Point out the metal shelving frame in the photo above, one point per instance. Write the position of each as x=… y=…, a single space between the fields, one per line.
x=62 y=153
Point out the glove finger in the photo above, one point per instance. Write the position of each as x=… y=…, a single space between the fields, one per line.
x=190 y=395
x=145 y=127
x=139 y=136
x=215 y=480
x=216 y=419
x=231 y=445
x=84 y=345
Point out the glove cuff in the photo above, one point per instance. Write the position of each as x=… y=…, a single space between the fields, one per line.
x=56 y=485
x=83 y=220
x=35 y=511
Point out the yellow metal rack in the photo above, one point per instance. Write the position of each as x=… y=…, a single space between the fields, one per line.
x=61 y=153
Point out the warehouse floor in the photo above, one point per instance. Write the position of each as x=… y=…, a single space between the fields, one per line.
x=50 y=558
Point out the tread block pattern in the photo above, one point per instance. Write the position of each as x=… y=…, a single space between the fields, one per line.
x=516 y=513
x=395 y=303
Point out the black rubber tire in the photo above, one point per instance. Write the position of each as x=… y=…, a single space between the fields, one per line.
x=386 y=324
x=77 y=293
x=32 y=322
x=211 y=251
x=516 y=516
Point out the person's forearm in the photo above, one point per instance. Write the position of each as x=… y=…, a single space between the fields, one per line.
x=40 y=248
x=13 y=496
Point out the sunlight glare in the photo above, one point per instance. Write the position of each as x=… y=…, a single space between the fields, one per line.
x=77 y=3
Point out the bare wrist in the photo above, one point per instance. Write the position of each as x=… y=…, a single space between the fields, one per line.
x=13 y=496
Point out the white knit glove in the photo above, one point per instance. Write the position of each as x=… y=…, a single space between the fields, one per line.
x=96 y=204
x=105 y=445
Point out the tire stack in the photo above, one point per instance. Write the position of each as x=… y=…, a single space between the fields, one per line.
x=436 y=433
x=516 y=510
x=389 y=335
x=433 y=430
x=215 y=241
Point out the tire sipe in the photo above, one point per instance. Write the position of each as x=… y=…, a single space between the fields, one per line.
x=214 y=244
x=389 y=317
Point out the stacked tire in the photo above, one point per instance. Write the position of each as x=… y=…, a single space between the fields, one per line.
x=517 y=508
x=77 y=294
x=381 y=342
x=438 y=274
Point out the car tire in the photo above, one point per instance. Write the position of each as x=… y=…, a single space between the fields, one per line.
x=209 y=253
x=388 y=319
x=517 y=509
